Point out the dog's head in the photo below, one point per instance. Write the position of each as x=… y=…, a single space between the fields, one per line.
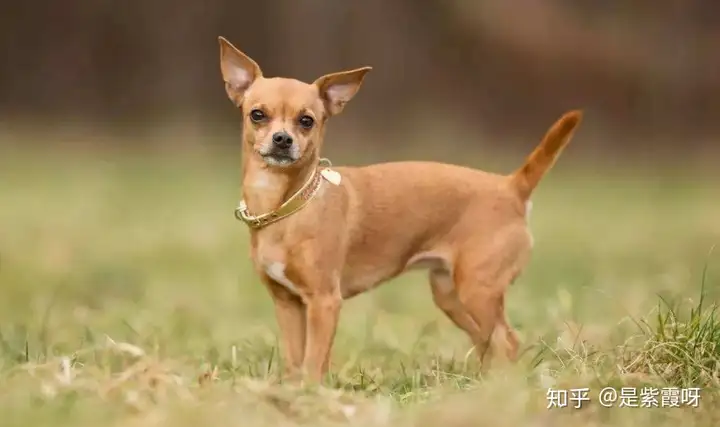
x=284 y=119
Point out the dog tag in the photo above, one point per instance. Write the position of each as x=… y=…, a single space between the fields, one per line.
x=331 y=176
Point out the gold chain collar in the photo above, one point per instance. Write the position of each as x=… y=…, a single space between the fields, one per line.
x=296 y=202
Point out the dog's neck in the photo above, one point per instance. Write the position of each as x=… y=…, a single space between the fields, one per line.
x=265 y=187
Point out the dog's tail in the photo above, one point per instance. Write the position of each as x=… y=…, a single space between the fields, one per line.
x=527 y=177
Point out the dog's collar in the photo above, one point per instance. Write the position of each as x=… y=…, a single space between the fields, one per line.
x=296 y=202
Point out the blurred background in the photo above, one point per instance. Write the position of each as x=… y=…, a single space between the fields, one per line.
x=447 y=73
x=120 y=156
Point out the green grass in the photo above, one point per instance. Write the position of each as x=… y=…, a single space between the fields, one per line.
x=127 y=299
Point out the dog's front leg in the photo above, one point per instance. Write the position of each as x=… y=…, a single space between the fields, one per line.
x=323 y=312
x=290 y=313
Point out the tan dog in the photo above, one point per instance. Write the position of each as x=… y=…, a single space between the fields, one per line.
x=320 y=235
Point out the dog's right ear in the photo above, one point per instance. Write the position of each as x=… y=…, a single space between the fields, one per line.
x=239 y=71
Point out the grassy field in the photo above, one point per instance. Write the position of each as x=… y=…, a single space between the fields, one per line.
x=127 y=299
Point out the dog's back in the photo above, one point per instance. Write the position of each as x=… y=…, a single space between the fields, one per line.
x=427 y=214
x=440 y=203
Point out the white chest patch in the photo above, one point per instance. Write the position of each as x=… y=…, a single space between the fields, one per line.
x=276 y=271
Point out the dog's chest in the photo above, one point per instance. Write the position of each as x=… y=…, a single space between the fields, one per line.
x=277 y=271
x=270 y=256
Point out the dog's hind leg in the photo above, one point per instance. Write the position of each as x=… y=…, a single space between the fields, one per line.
x=481 y=283
x=485 y=303
x=446 y=299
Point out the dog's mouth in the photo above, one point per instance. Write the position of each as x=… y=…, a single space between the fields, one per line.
x=278 y=158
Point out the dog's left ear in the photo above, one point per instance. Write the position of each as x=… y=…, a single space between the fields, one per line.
x=337 y=89
x=239 y=71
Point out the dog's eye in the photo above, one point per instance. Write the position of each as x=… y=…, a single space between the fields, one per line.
x=257 y=116
x=306 y=121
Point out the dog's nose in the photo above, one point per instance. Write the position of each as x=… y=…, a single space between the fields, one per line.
x=282 y=140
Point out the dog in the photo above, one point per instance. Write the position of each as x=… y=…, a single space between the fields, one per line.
x=320 y=235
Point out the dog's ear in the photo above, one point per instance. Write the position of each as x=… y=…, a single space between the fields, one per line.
x=337 y=89
x=239 y=71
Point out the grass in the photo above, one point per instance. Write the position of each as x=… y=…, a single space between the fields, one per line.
x=127 y=299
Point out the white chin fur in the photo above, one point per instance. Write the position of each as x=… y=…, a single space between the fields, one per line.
x=278 y=161
x=293 y=155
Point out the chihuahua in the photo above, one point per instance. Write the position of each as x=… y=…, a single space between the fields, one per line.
x=320 y=235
